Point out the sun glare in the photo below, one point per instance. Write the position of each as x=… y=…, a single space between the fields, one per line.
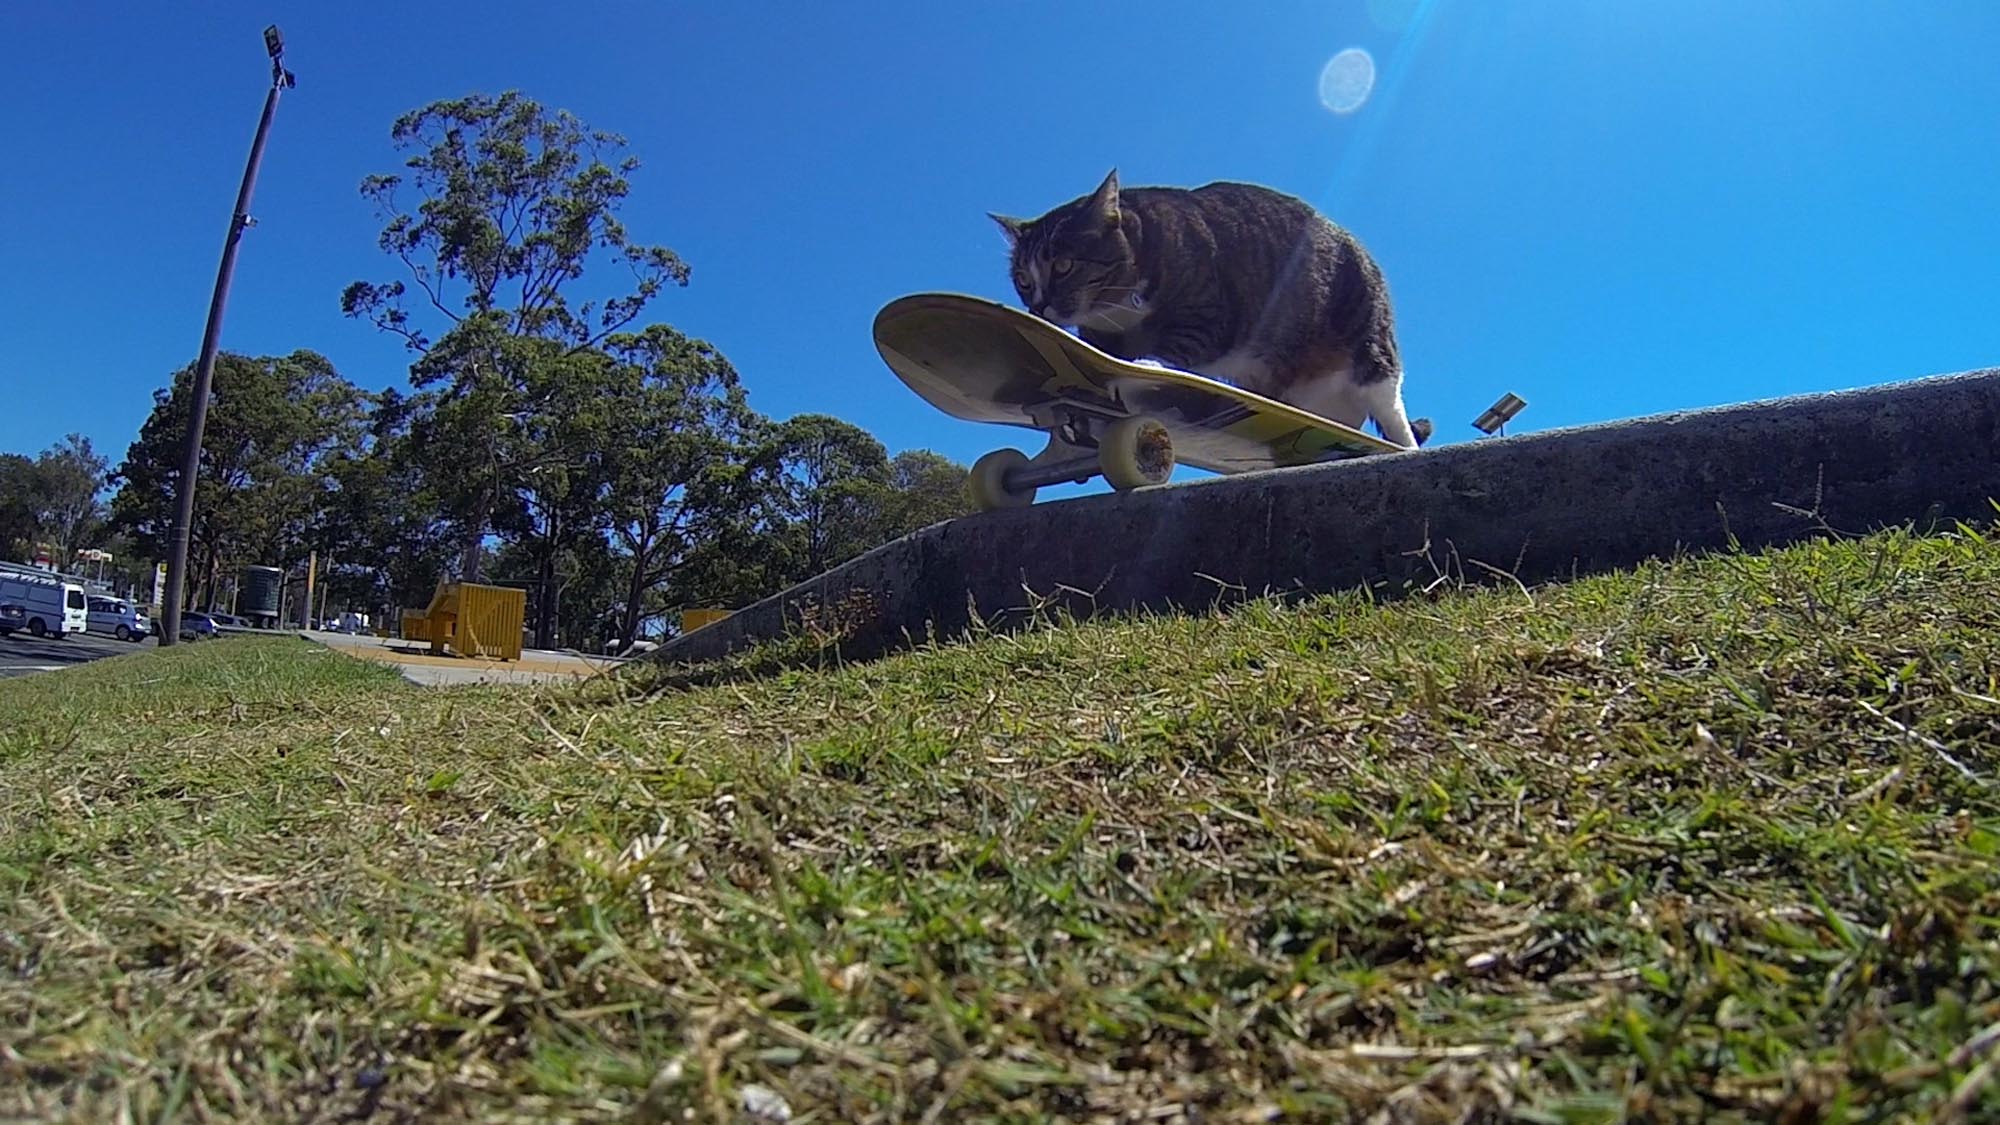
x=1347 y=80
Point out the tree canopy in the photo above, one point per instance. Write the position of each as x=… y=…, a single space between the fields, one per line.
x=53 y=502
x=504 y=208
x=276 y=425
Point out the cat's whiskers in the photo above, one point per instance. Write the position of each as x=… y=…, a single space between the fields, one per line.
x=1114 y=298
x=1117 y=291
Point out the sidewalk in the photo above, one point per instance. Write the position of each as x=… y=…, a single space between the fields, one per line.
x=414 y=660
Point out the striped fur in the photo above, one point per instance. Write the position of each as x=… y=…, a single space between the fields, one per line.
x=1232 y=280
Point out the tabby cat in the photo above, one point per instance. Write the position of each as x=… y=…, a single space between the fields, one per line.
x=1230 y=280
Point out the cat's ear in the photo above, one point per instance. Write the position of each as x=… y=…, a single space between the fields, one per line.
x=1104 y=201
x=1011 y=227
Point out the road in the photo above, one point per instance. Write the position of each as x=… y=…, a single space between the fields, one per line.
x=24 y=655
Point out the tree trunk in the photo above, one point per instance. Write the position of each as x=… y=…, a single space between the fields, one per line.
x=208 y=580
x=469 y=559
x=634 y=591
x=545 y=608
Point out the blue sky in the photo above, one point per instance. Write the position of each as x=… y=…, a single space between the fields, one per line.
x=1610 y=207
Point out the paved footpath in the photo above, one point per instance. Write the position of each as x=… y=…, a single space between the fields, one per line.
x=414 y=660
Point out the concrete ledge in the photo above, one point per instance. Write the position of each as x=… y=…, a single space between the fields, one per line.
x=1536 y=506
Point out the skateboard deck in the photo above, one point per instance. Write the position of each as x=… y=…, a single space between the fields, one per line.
x=982 y=361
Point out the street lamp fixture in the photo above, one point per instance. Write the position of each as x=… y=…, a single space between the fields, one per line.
x=1496 y=417
x=274 y=44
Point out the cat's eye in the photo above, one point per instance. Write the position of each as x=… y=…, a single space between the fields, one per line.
x=1062 y=265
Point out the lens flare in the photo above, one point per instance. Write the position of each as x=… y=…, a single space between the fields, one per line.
x=1347 y=80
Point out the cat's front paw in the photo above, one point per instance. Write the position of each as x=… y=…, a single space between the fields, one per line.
x=1153 y=363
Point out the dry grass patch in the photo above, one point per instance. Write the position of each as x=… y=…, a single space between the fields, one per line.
x=1711 y=838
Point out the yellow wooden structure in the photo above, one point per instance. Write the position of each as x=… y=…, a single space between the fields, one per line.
x=692 y=619
x=415 y=626
x=471 y=619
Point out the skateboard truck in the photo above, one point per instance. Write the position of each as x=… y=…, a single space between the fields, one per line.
x=1130 y=452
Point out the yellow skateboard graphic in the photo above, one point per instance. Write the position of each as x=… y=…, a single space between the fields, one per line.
x=983 y=361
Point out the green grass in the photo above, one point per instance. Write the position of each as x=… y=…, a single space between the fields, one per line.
x=1711 y=838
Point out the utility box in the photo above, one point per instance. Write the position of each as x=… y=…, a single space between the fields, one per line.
x=257 y=594
x=692 y=619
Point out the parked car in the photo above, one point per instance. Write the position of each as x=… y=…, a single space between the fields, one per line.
x=229 y=619
x=117 y=617
x=13 y=615
x=194 y=626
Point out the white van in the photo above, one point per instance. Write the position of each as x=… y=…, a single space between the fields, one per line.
x=55 y=608
x=117 y=617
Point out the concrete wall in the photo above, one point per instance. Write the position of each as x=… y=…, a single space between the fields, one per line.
x=1538 y=506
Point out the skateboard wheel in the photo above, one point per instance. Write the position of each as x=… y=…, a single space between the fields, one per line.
x=988 y=480
x=1136 y=452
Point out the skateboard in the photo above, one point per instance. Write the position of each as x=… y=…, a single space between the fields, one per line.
x=983 y=361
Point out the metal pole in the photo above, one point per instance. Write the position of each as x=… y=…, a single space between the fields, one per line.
x=325 y=591
x=170 y=610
